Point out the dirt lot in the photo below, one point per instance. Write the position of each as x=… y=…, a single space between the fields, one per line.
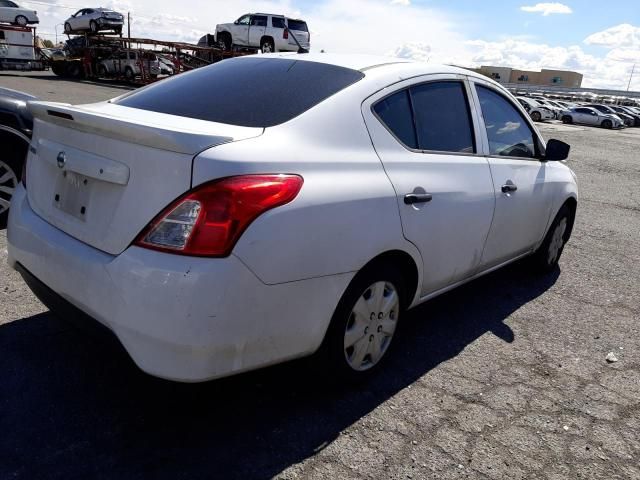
x=505 y=378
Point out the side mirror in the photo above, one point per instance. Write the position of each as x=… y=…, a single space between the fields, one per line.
x=556 y=150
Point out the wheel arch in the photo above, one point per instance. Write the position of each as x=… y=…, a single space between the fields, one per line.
x=404 y=262
x=572 y=204
x=267 y=37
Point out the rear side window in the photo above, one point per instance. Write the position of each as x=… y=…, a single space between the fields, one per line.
x=277 y=22
x=297 y=25
x=395 y=112
x=431 y=116
x=508 y=132
x=442 y=117
x=250 y=91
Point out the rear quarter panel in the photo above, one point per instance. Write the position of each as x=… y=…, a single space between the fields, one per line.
x=346 y=213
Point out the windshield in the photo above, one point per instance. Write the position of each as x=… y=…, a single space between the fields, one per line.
x=250 y=92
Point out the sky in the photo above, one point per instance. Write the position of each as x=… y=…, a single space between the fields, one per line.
x=600 y=39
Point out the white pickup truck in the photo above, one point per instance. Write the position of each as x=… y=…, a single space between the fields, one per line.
x=264 y=31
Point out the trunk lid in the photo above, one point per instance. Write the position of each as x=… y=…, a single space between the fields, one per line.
x=102 y=172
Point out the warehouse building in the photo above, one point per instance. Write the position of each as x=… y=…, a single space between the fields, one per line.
x=550 y=78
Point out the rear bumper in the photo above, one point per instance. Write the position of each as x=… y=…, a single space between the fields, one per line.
x=180 y=318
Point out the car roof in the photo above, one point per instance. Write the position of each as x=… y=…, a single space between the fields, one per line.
x=363 y=63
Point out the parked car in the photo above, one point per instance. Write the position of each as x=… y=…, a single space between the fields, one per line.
x=548 y=104
x=94 y=20
x=16 y=124
x=264 y=31
x=11 y=12
x=130 y=64
x=625 y=111
x=627 y=120
x=215 y=250
x=167 y=66
x=536 y=111
x=591 y=116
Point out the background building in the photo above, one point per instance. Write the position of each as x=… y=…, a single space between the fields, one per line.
x=551 y=78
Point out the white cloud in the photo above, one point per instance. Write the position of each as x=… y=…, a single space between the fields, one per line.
x=417 y=51
x=623 y=35
x=547 y=8
x=599 y=72
x=406 y=3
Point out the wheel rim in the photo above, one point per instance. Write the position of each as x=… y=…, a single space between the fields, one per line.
x=22 y=21
x=371 y=326
x=67 y=27
x=8 y=184
x=93 y=26
x=557 y=241
x=266 y=48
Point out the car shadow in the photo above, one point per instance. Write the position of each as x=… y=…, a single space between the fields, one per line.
x=74 y=406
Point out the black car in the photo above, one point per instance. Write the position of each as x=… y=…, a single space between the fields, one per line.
x=16 y=125
x=635 y=116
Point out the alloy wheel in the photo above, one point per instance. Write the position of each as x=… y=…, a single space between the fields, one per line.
x=371 y=326
x=8 y=184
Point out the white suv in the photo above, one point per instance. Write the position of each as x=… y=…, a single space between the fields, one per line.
x=130 y=64
x=264 y=31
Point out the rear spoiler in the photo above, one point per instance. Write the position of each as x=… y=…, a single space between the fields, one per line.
x=151 y=129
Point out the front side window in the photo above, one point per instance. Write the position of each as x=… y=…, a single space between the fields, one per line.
x=394 y=112
x=442 y=117
x=508 y=132
x=244 y=20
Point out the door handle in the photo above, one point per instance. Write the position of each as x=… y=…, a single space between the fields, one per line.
x=509 y=187
x=413 y=198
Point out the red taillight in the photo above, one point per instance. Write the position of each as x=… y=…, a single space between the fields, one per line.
x=285 y=34
x=208 y=220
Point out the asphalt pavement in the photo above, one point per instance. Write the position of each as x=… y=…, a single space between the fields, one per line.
x=504 y=378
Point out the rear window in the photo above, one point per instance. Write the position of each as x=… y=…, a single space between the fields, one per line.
x=249 y=92
x=297 y=25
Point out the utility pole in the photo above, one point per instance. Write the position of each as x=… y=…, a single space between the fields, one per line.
x=631 y=76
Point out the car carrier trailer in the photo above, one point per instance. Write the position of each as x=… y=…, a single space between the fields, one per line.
x=82 y=55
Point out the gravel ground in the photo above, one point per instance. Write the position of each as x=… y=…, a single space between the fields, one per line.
x=504 y=378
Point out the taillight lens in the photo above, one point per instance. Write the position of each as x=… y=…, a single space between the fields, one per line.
x=209 y=220
x=285 y=34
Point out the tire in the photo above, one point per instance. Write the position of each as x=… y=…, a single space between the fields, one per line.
x=225 y=42
x=567 y=119
x=607 y=124
x=546 y=258
x=267 y=46
x=74 y=70
x=102 y=71
x=67 y=28
x=536 y=117
x=128 y=74
x=22 y=21
x=11 y=161
x=356 y=345
x=118 y=30
x=93 y=26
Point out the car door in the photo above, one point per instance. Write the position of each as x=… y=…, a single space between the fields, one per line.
x=522 y=196
x=75 y=21
x=240 y=30
x=588 y=116
x=89 y=14
x=424 y=132
x=257 y=29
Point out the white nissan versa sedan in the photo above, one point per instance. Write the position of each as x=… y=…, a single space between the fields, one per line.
x=271 y=207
